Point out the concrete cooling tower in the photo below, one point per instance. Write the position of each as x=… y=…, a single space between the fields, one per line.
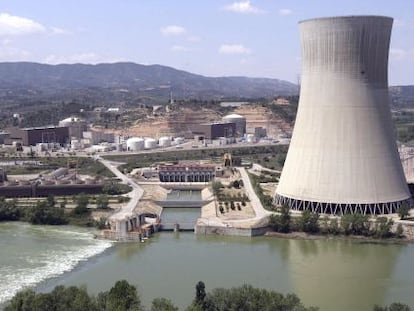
x=343 y=156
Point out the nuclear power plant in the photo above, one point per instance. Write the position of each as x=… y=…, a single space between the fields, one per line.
x=343 y=156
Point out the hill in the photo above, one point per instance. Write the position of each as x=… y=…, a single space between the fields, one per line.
x=151 y=80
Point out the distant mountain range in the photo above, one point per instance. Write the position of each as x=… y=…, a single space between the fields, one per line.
x=140 y=79
x=119 y=81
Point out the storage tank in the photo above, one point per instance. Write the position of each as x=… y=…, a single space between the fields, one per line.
x=150 y=143
x=135 y=144
x=164 y=141
x=343 y=155
x=179 y=140
x=250 y=138
x=240 y=122
x=75 y=144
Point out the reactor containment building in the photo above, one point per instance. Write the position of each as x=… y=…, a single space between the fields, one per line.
x=343 y=156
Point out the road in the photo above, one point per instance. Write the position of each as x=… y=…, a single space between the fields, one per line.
x=135 y=195
x=257 y=206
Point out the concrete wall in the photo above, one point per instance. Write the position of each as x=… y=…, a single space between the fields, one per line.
x=207 y=230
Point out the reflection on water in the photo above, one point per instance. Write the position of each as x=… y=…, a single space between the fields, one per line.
x=349 y=274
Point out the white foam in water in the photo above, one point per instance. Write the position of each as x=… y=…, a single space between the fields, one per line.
x=50 y=263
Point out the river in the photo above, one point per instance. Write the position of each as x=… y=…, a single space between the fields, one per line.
x=334 y=274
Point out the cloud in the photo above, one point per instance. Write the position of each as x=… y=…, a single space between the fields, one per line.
x=243 y=7
x=84 y=58
x=233 y=49
x=285 y=12
x=193 y=38
x=10 y=53
x=179 y=48
x=60 y=31
x=11 y=25
x=173 y=30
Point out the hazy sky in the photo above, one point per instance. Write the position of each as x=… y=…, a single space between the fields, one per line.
x=257 y=38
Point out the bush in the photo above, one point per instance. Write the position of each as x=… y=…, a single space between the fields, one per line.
x=403 y=211
x=281 y=223
x=308 y=222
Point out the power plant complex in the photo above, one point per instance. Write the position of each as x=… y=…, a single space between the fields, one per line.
x=343 y=156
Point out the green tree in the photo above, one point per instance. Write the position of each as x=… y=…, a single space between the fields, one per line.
x=403 y=211
x=82 y=201
x=382 y=228
x=333 y=227
x=123 y=297
x=216 y=186
x=308 y=222
x=51 y=200
x=282 y=222
x=200 y=294
x=399 y=232
x=102 y=201
x=163 y=304
x=248 y=298
x=396 y=306
x=356 y=224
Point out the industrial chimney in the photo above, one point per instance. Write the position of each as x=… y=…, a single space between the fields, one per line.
x=343 y=156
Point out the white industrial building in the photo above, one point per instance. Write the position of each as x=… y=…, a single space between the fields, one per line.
x=343 y=155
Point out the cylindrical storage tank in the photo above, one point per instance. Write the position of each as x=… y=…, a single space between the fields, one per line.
x=250 y=138
x=75 y=144
x=239 y=121
x=135 y=144
x=179 y=140
x=343 y=155
x=150 y=143
x=164 y=141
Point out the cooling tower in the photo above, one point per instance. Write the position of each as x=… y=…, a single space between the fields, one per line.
x=343 y=156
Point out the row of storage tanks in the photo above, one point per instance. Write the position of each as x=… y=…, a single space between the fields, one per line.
x=138 y=143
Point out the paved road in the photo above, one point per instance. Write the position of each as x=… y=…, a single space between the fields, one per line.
x=135 y=195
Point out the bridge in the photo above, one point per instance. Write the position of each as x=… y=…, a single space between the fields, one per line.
x=182 y=203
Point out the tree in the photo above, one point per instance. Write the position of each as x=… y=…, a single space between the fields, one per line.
x=200 y=293
x=123 y=297
x=51 y=200
x=216 y=186
x=396 y=306
x=308 y=222
x=282 y=222
x=102 y=201
x=356 y=224
x=163 y=304
x=403 y=211
x=383 y=227
x=82 y=201
x=399 y=232
x=248 y=298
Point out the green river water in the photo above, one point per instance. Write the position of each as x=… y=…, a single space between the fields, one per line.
x=333 y=274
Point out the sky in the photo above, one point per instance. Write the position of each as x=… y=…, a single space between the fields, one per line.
x=255 y=38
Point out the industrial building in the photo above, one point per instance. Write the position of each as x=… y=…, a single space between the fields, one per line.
x=215 y=130
x=94 y=137
x=343 y=155
x=239 y=121
x=186 y=173
x=35 y=135
x=76 y=126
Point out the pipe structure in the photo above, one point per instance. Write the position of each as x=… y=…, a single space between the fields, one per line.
x=343 y=156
